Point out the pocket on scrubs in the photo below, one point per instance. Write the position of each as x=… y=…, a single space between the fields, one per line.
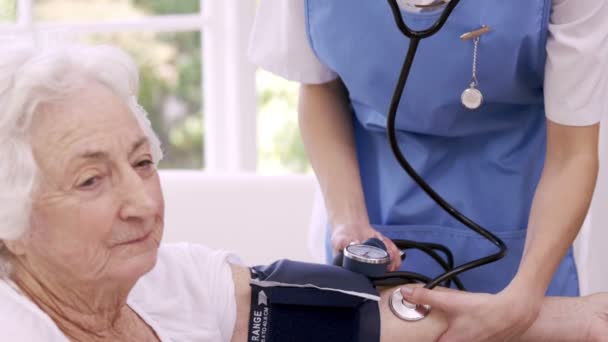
x=467 y=246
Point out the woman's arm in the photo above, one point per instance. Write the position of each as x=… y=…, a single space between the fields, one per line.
x=242 y=292
x=392 y=328
x=325 y=121
x=558 y=210
x=560 y=204
x=560 y=319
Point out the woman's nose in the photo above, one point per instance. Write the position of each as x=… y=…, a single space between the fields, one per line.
x=137 y=199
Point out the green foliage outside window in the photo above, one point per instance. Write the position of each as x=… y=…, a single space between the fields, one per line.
x=168 y=6
x=8 y=10
x=279 y=144
x=170 y=66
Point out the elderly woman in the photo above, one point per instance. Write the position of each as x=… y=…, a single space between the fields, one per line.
x=81 y=220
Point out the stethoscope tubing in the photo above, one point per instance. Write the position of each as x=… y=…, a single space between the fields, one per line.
x=415 y=37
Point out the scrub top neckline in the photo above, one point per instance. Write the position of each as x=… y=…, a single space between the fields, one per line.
x=428 y=15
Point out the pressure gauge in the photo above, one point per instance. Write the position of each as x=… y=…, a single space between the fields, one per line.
x=369 y=258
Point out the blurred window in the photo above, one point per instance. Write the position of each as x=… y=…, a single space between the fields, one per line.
x=210 y=107
x=280 y=148
x=170 y=89
x=8 y=11
x=88 y=10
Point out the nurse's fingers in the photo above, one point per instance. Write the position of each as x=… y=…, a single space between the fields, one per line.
x=339 y=242
x=444 y=300
x=395 y=258
x=393 y=251
x=344 y=234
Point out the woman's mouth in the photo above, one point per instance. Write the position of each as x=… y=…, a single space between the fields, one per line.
x=137 y=240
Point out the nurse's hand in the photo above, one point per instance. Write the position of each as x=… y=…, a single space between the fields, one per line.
x=344 y=234
x=477 y=317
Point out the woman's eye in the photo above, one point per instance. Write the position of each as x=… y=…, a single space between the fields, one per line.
x=89 y=182
x=144 y=163
x=145 y=167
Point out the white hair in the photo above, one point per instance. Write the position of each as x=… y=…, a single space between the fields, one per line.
x=32 y=72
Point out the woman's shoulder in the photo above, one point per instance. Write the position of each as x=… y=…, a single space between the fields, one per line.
x=181 y=263
x=190 y=285
x=189 y=259
x=22 y=320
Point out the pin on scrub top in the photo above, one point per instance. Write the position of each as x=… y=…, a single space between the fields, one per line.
x=472 y=97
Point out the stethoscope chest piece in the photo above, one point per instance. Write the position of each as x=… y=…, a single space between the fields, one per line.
x=406 y=310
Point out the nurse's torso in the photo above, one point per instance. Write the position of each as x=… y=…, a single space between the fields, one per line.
x=485 y=162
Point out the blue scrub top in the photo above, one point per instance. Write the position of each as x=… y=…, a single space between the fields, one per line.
x=485 y=162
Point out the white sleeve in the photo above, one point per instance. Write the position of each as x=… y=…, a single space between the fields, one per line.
x=279 y=43
x=576 y=73
x=215 y=265
x=22 y=321
x=189 y=294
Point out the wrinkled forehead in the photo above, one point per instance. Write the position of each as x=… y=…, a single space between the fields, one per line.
x=93 y=118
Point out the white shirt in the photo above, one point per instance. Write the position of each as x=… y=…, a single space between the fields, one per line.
x=188 y=296
x=576 y=72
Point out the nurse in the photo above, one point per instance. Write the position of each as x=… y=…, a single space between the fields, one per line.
x=503 y=123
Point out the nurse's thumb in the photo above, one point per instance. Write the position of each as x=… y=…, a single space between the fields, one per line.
x=420 y=295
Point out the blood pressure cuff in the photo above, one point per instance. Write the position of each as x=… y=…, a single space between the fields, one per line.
x=295 y=301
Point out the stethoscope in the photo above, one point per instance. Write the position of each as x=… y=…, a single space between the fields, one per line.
x=371 y=257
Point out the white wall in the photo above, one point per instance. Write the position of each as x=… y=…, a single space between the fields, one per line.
x=261 y=218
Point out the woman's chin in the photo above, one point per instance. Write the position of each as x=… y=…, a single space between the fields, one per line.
x=138 y=257
x=135 y=266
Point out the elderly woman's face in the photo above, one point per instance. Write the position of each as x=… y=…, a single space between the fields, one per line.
x=98 y=210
